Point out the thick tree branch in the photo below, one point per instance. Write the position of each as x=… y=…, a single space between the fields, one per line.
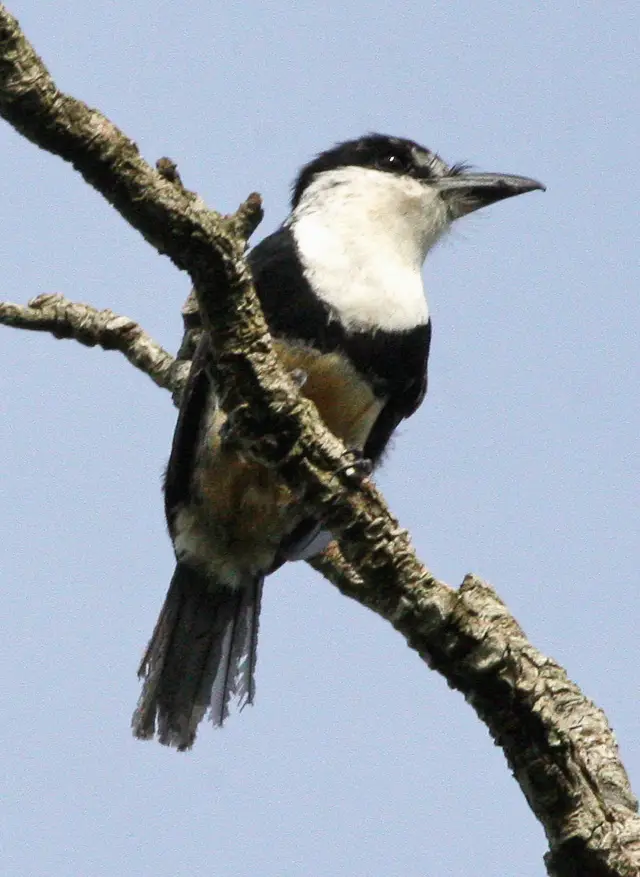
x=558 y=744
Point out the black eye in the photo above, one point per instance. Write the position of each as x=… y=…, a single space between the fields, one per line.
x=392 y=161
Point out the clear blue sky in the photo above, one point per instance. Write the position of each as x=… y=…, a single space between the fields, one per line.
x=522 y=465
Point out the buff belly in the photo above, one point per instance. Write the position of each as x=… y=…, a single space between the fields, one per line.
x=241 y=511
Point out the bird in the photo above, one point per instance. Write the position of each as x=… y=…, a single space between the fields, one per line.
x=340 y=284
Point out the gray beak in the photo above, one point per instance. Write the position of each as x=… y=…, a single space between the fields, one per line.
x=466 y=192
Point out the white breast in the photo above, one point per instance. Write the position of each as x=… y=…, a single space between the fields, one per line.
x=362 y=236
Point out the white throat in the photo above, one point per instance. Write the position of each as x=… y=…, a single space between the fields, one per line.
x=362 y=236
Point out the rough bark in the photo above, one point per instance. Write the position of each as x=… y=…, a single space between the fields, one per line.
x=557 y=743
x=53 y=313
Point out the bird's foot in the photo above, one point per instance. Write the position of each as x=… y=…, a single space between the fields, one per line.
x=356 y=465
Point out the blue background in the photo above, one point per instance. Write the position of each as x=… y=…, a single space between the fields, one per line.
x=522 y=465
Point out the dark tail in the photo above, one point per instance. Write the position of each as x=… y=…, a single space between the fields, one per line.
x=202 y=653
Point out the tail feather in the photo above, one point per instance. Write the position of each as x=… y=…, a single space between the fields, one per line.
x=236 y=675
x=244 y=644
x=252 y=652
x=201 y=654
x=222 y=687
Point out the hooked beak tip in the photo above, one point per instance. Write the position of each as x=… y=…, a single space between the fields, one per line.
x=468 y=192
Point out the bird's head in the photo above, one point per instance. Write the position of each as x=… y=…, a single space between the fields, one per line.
x=378 y=177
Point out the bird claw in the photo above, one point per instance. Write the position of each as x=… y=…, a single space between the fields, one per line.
x=356 y=464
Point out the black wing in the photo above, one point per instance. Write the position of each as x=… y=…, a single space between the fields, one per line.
x=177 y=481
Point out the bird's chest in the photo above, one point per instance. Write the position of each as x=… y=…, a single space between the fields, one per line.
x=367 y=288
x=363 y=261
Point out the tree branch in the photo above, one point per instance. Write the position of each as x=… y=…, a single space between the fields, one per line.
x=66 y=319
x=557 y=743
